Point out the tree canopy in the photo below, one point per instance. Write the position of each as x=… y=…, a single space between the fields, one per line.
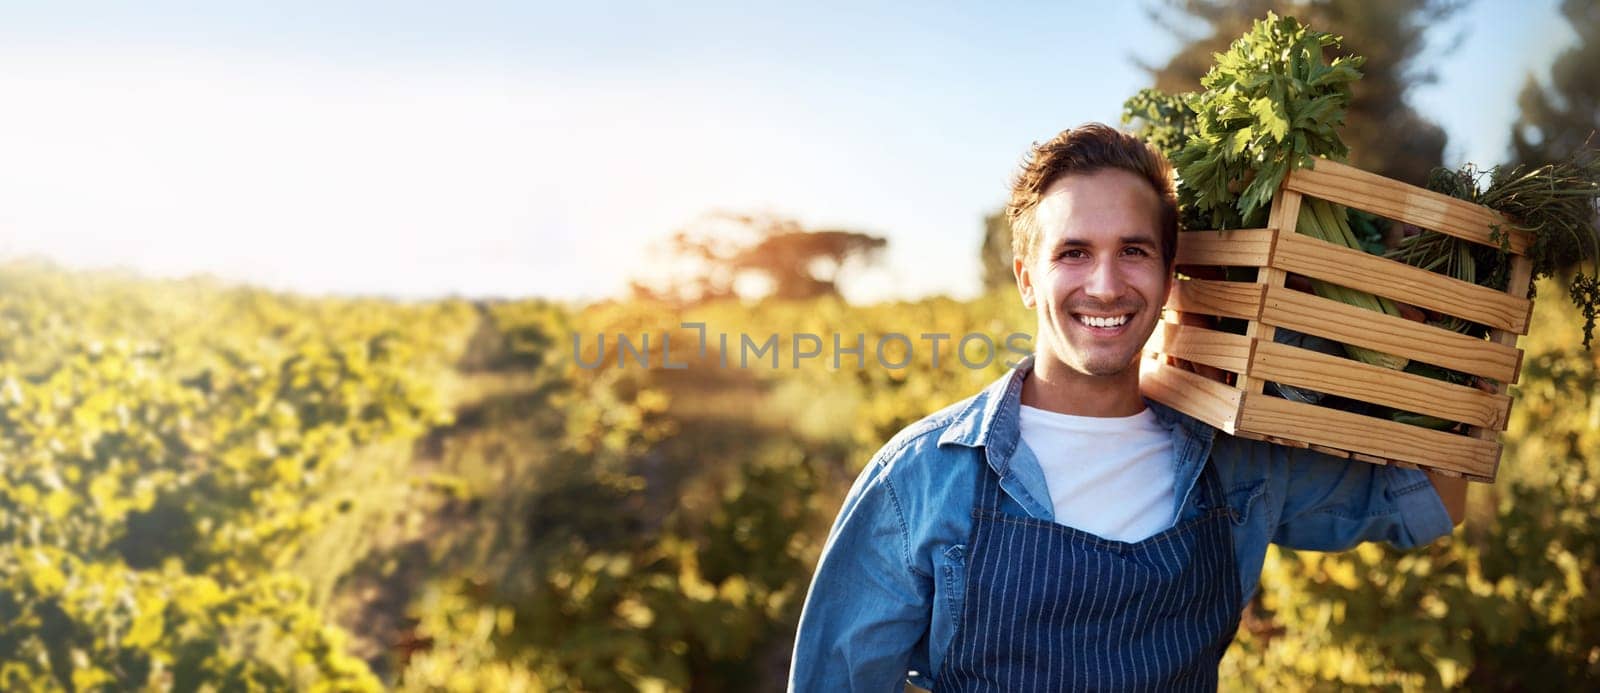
x=792 y=261
x=1558 y=119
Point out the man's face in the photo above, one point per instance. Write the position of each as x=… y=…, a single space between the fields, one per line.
x=1096 y=279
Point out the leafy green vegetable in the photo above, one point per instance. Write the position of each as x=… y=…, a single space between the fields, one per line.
x=1270 y=104
x=1168 y=119
x=1166 y=123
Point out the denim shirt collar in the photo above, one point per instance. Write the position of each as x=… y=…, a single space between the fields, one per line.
x=990 y=421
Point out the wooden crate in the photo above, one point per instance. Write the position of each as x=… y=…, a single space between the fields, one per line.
x=1243 y=409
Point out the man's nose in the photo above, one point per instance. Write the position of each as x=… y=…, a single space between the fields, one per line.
x=1105 y=281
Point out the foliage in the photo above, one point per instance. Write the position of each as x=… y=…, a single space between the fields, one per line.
x=1386 y=135
x=1269 y=105
x=995 y=256
x=1166 y=120
x=615 y=527
x=678 y=554
x=160 y=473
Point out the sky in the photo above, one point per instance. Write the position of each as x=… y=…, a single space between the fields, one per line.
x=513 y=149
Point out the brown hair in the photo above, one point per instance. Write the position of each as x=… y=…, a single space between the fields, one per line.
x=1081 y=150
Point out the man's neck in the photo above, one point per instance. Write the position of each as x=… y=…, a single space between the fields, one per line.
x=1052 y=386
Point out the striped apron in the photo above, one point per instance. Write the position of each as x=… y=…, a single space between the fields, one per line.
x=1048 y=607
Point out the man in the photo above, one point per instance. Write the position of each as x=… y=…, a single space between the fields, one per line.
x=1058 y=531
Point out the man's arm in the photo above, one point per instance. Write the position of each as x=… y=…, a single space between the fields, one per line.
x=1453 y=493
x=867 y=606
x=1333 y=504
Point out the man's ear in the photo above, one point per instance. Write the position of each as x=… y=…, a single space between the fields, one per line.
x=1024 y=281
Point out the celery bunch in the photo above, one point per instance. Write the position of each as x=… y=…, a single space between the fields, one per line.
x=1328 y=222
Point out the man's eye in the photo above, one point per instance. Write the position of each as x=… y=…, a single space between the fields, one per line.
x=1072 y=253
x=1136 y=251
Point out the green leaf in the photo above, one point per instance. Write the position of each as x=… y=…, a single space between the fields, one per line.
x=1240 y=138
x=1270 y=115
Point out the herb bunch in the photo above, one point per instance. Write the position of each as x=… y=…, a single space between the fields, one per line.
x=1556 y=203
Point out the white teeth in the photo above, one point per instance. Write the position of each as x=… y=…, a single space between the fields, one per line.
x=1102 y=322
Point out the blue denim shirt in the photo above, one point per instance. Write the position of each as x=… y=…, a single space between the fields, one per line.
x=888 y=588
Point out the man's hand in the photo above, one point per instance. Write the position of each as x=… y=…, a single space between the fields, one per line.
x=1453 y=491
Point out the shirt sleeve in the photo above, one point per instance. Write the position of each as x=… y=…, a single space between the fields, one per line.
x=867 y=608
x=1333 y=504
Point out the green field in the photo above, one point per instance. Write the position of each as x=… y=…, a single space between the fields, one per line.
x=210 y=486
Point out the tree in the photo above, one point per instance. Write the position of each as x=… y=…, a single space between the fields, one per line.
x=1556 y=121
x=806 y=264
x=997 y=274
x=1560 y=120
x=796 y=263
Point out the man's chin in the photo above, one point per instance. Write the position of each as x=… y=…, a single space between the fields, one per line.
x=1102 y=361
x=1104 y=368
x=1110 y=372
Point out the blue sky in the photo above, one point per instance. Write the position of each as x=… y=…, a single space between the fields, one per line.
x=514 y=149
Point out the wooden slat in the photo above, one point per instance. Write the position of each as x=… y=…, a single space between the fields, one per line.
x=1259 y=331
x=1198 y=396
x=1230 y=352
x=1281 y=363
x=1241 y=248
x=1353 y=268
x=1341 y=322
x=1366 y=435
x=1284 y=216
x=1450 y=473
x=1333 y=452
x=1286 y=442
x=1224 y=299
x=1372 y=459
x=1353 y=187
x=1521 y=276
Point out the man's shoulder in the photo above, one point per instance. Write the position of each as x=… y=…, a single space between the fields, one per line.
x=917 y=444
x=927 y=476
x=1227 y=447
x=1242 y=450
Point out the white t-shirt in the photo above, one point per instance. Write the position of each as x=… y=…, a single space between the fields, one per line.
x=1109 y=476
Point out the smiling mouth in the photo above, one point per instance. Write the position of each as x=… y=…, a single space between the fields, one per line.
x=1103 y=322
